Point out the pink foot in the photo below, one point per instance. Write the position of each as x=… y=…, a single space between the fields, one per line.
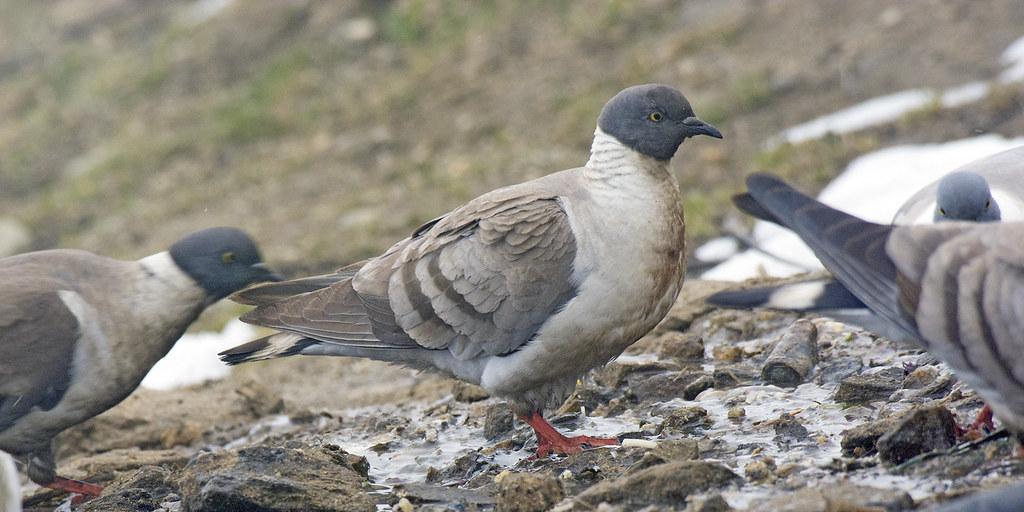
x=981 y=426
x=550 y=440
x=84 y=491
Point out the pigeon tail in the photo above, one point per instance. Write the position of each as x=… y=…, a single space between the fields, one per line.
x=815 y=295
x=851 y=248
x=276 y=345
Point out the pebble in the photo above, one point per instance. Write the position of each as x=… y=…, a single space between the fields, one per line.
x=736 y=413
x=682 y=346
x=875 y=384
x=528 y=492
x=793 y=357
x=922 y=430
x=403 y=505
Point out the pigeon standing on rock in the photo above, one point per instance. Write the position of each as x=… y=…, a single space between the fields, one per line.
x=971 y=193
x=956 y=288
x=521 y=290
x=79 y=331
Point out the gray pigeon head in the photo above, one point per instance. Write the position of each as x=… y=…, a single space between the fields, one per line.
x=965 y=196
x=652 y=119
x=222 y=260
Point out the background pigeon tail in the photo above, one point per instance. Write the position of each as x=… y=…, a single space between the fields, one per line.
x=851 y=248
x=817 y=295
x=747 y=204
x=269 y=347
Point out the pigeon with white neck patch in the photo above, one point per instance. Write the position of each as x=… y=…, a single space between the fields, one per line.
x=79 y=331
x=521 y=290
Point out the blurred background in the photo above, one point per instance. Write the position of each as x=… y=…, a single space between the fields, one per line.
x=330 y=129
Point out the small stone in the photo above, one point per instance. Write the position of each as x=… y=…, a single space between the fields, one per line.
x=682 y=346
x=403 y=505
x=566 y=475
x=730 y=376
x=793 y=357
x=683 y=420
x=736 y=413
x=860 y=440
x=528 y=492
x=704 y=382
x=837 y=497
x=664 y=484
x=665 y=386
x=431 y=435
x=712 y=503
x=838 y=369
x=876 y=384
x=920 y=377
x=498 y=421
x=465 y=392
x=728 y=353
x=760 y=469
x=920 y=431
x=788 y=428
x=614 y=374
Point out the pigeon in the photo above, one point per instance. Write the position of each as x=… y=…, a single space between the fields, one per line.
x=1006 y=499
x=971 y=193
x=521 y=290
x=79 y=331
x=10 y=485
x=955 y=288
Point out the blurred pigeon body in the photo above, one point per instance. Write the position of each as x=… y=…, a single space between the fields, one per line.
x=523 y=289
x=956 y=288
x=971 y=193
x=1007 y=499
x=79 y=331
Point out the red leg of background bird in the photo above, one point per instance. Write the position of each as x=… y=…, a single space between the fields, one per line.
x=981 y=426
x=87 y=490
x=550 y=440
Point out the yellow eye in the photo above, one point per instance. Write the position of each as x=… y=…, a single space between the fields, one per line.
x=228 y=257
x=655 y=116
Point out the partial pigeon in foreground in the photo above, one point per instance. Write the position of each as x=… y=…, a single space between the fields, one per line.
x=79 y=331
x=1007 y=499
x=971 y=193
x=521 y=290
x=956 y=288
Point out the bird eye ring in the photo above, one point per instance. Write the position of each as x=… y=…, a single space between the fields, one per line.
x=228 y=257
x=655 y=116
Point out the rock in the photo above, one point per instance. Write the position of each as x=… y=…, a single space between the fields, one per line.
x=683 y=420
x=727 y=353
x=730 y=376
x=793 y=357
x=665 y=484
x=465 y=392
x=696 y=387
x=665 y=386
x=760 y=470
x=528 y=492
x=838 y=497
x=838 y=369
x=788 y=429
x=922 y=430
x=668 y=450
x=712 y=503
x=416 y=493
x=614 y=375
x=921 y=377
x=875 y=384
x=860 y=440
x=682 y=346
x=498 y=421
x=274 y=479
x=142 y=489
x=735 y=413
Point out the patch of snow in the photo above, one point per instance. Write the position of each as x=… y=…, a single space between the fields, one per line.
x=880 y=110
x=194 y=357
x=1013 y=59
x=872 y=187
x=717 y=249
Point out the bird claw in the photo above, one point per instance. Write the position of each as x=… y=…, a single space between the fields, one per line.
x=981 y=427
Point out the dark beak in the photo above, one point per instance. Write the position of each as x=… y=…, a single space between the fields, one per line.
x=697 y=127
x=264 y=273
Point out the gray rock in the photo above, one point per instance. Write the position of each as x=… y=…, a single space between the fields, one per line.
x=793 y=357
x=464 y=392
x=838 y=369
x=875 y=384
x=528 y=492
x=663 y=387
x=788 y=429
x=860 y=440
x=732 y=375
x=142 y=489
x=498 y=421
x=681 y=346
x=712 y=503
x=668 y=450
x=920 y=431
x=841 y=496
x=271 y=479
x=683 y=420
x=665 y=484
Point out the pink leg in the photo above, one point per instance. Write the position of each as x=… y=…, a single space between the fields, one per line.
x=86 y=490
x=550 y=440
x=982 y=425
